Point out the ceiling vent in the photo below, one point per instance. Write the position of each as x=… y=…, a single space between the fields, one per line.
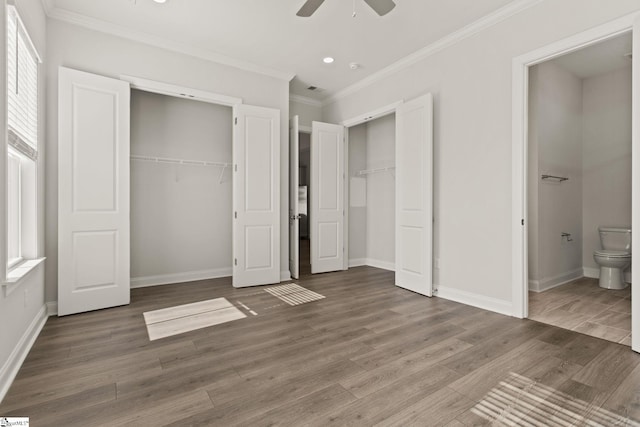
x=312 y=88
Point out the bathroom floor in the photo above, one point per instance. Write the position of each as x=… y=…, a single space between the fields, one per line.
x=582 y=306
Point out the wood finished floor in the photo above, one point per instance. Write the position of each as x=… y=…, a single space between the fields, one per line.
x=368 y=354
x=585 y=307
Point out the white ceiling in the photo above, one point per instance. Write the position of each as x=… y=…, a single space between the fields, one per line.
x=598 y=59
x=268 y=34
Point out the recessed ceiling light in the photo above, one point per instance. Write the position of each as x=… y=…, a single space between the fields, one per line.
x=159 y=1
x=328 y=60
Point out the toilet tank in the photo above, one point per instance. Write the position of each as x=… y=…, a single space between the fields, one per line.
x=615 y=238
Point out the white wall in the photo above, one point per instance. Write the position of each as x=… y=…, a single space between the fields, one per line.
x=606 y=156
x=471 y=83
x=381 y=192
x=307 y=113
x=111 y=56
x=357 y=214
x=372 y=228
x=180 y=215
x=23 y=311
x=555 y=148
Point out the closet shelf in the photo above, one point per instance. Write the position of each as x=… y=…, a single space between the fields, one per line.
x=179 y=161
x=377 y=170
x=167 y=160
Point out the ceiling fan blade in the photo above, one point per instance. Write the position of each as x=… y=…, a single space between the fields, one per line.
x=309 y=8
x=381 y=7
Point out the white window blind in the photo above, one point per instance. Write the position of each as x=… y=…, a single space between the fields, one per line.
x=22 y=87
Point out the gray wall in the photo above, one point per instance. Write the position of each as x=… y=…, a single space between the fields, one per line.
x=372 y=228
x=579 y=128
x=305 y=112
x=555 y=148
x=606 y=156
x=180 y=215
x=472 y=87
x=381 y=191
x=357 y=215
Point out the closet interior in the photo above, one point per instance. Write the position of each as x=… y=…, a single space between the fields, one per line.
x=372 y=192
x=181 y=192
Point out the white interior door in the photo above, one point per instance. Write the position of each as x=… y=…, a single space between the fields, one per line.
x=635 y=197
x=93 y=192
x=327 y=197
x=294 y=207
x=256 y=196
x=414 y=195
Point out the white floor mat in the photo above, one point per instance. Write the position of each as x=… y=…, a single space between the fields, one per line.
x=189 y=317
x=294 y=294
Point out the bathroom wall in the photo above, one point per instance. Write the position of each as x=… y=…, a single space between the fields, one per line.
x=555 y=141
x=606 y=158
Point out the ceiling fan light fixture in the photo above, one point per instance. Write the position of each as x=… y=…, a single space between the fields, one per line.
x=328 y=60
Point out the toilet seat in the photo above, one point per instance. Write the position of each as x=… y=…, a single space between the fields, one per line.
x=612 y=254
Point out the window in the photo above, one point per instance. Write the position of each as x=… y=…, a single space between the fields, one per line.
x=14 y=254
x=22 y=141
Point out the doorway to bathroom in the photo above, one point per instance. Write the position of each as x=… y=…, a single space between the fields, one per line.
x=573 y=168
x=579 y=188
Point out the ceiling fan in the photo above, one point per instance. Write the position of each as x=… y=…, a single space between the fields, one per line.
x=381 y=7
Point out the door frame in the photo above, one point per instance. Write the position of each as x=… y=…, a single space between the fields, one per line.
x=184 y=92
x=520 y=118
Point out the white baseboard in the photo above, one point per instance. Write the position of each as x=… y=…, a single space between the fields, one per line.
x=357 y=262
x=385 y=265
x=285 y=276
x=191 y=276
x=52 y=308
x=594 y=273
x=11 y=367
x=555 y=281
x=476 y=300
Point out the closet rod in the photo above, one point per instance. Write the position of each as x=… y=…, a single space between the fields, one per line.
x=377 y=170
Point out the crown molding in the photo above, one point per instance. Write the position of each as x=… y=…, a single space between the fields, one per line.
x=305 y=100
x=145 y=38
x=475 y=27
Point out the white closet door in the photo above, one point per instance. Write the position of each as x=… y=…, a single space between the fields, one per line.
x=414 y=195
x=294 y=208
x=256 y=196
x=327 y=197
x=93 y=192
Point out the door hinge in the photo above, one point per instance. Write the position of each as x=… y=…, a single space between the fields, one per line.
x=235 y=214
x=236 y=121
x=235 y=261
x=522 y=221
x=236 y=167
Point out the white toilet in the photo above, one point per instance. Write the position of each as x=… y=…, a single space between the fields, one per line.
x=614 y=257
